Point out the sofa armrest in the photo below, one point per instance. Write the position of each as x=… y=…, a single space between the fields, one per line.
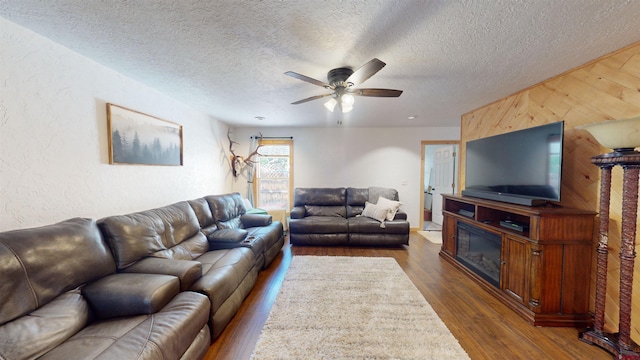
x=400 y=215
x=208 y=230
x=130 y=294
x=297 y=212
x=186 y=271
x=228 y=239
x=255 y=220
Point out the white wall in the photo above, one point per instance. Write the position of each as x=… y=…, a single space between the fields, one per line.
x=54 y=160
x=356 y=157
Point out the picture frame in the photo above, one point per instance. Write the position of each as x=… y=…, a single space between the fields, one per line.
x=142 y=139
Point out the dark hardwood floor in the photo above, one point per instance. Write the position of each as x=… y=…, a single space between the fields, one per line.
x=485 y=328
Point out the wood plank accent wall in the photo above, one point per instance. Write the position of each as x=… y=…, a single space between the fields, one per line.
x=603 y=89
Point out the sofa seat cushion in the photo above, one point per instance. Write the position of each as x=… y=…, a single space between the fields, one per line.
x=253 y=238
x=319 y=225
x=319 y=239
x=391 y=240
x=130 y=294
x=269 y=240
x=400 y=215
x=32 y=335
x=365 y=225
x=166 y=334
x=223 y=271
x=266 y=236
x=187 y=271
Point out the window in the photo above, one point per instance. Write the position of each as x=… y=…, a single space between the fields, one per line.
x=554 y=150
x=274 y=175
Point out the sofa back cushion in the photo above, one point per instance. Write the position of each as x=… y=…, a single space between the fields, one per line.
x=205 y=217
x=203 y=212
x=39 y=264
x=318 y=210
x=320 y=196
x=375 y=192
x=227 y=209
x=171 y=232
x=357 y=197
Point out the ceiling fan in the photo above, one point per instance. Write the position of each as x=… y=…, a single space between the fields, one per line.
x=344 y=83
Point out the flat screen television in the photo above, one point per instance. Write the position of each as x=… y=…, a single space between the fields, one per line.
x=521 y=167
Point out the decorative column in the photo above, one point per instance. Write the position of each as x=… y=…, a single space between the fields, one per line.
x=603 y=247
x=619 y=344
x=623 y=136
x=627 y=252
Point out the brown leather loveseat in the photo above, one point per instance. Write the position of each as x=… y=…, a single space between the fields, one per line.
x=341 y=216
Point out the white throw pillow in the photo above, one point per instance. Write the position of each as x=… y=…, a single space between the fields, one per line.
x=391 y=205
x=375 y=212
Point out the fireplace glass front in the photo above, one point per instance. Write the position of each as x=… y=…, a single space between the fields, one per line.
x=479 y=250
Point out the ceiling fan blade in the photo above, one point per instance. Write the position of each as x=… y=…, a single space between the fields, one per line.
x=307 y=79
x=376 y=92
x=310 y=99
x=366 y=71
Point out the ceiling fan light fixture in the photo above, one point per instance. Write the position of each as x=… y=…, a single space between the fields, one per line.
x=343 y=81
x=347 y=100
x=346 y=109
x=331 y=104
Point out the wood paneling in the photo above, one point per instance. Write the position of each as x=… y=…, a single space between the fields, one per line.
x=604 y=89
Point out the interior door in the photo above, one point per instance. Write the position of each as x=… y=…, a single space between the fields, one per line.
x=443 y=181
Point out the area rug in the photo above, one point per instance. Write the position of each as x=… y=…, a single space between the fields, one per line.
x=432 y=236
x=335 y=307
x=432 y=226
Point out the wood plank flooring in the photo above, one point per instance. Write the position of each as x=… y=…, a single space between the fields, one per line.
x=485 y=328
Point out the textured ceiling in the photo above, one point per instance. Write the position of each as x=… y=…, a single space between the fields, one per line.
x=227 y=58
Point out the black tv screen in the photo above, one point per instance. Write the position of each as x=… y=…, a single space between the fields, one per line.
x=522 y=167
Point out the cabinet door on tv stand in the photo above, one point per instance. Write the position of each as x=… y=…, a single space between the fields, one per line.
x=515 y=268
x=449 y=235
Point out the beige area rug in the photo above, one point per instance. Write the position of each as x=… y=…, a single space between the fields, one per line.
x=335 y=307
x=432 y=236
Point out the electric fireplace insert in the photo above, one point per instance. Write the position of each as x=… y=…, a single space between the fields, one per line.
x=479 y=250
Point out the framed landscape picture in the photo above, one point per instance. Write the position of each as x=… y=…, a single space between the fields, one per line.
x=137 y=138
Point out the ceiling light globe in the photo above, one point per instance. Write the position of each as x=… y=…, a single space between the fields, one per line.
x=347 y=100
x=331 y=104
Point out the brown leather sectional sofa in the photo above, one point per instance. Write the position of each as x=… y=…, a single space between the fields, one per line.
x=332 y=216
x=157 y=284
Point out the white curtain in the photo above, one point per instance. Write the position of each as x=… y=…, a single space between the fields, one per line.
x=253 y=144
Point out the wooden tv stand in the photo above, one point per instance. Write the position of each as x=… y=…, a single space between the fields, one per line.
x=545 y=269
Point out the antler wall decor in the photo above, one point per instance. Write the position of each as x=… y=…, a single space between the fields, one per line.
x=237 y=161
